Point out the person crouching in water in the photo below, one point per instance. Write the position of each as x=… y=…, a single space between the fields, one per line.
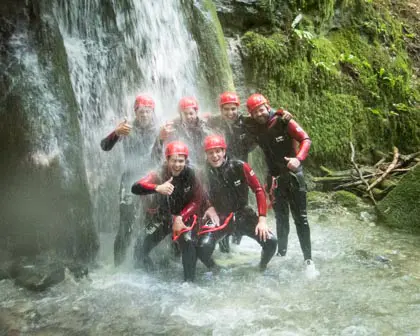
x=227 y=186
x=179 y=198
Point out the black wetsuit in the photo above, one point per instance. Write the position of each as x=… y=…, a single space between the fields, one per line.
x=227 y=189
x=137 y=147
x=193 y=136
x=240 y=143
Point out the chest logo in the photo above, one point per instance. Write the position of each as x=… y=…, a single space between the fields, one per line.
x=187 y=189
x=237 y=183
x=242 y=136
x=280 y=138
x=252 y=173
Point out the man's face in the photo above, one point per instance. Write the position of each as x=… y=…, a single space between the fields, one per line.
x=144 y=115
x=176 y=164
x=229 y=111
x=216 y=157
x=260 y=114
x=189 y=116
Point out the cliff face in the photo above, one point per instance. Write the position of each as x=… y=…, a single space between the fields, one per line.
x=348 y=70
x=45 y=201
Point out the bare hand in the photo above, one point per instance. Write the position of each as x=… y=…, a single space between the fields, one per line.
x=166 y=188
x=292 y=163
x=212 y=215
x=287 y=116
x=261 y=230
x=178 y=225
x=123 y=128
x=166 y=130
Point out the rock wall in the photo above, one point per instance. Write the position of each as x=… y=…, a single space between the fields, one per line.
x=45 y=201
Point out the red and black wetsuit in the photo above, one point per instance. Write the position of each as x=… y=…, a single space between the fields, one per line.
x=279 y=139
x=227 y=189
x=137 y=147
x=239 y=141
x=185 y=201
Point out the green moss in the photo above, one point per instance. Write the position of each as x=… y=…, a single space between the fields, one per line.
x=208 y=33
x=346 y=199
x=354 y=83
x=401 y=207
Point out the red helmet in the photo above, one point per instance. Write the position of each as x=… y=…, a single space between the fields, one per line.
x=144 y=101
x=254 y=101
x=187 y=102
x=228 y=98
x=214 y=141
x=176 y=148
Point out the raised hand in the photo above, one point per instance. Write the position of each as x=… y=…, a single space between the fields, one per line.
x=123 y=128
x=166 y=188
x=166 y=130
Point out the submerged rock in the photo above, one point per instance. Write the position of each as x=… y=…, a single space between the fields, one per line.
x=38 y=275
x=43 y=271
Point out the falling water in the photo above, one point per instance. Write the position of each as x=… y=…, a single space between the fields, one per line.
x=116 y=51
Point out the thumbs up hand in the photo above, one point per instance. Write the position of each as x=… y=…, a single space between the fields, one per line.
x=166 y=188
x=123 y=128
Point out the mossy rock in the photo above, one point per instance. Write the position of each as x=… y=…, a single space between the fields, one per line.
x=317 y=199
x=346 y=199
x=401 y=207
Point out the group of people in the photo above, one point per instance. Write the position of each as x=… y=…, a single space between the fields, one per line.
x=199 y=195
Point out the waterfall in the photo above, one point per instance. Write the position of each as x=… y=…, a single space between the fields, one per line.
x=117 y=49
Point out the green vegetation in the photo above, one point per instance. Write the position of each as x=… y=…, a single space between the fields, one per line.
x=346 y=199
x=343 y=70
x=401 y=207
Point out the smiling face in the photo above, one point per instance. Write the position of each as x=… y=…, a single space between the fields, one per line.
x=260 y=114
x=216 y=157
x=176 y=164
x=229 y=111
x=189 y=116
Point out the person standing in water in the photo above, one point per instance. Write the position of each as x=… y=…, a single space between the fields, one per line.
x=137 y=140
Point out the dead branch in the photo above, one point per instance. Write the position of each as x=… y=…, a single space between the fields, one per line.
x=353 y=153
x=387 y=171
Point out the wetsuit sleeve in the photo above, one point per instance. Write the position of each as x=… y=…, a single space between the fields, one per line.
x=109 y=142
x=256 y=187
x=192 y=207
x=146 y=185
x=298 y=134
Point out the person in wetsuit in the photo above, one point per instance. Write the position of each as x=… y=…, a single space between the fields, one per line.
x=179 y=196
x=188 y=128
x=285 y=145
x=240 y=142
x=137 y=140
x=227 y=183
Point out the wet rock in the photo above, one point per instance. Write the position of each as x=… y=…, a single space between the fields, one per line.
x=37 y=274
x=78 y=270
x=4 y=272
